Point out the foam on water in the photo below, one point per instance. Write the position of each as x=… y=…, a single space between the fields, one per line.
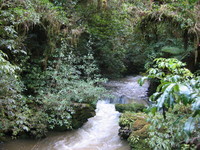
x=99 y=133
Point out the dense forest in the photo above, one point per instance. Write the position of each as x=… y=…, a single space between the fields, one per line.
x=55 y=56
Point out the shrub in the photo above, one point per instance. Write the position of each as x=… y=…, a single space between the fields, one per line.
x=178 y=93
x=134 y=127
x=134 y=107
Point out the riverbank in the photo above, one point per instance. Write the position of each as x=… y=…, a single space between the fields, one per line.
x=100 y=128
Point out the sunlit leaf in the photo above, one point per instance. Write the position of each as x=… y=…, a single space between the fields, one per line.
x=189 y=125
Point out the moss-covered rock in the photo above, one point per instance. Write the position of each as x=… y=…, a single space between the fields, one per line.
x=134 y=107
x=138 y=138
x=134 y=128
x=82 y=113
x=133 y=121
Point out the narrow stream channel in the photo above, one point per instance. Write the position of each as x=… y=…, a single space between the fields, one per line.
x=99 y=133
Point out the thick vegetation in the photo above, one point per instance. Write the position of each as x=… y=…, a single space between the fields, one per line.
x=53 y=54
x=42 y=79
x=172 y=121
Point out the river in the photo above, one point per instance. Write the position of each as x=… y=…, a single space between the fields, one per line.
x=100 y=132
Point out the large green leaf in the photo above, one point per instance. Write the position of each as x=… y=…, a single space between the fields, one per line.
x=142 y=80
x=196 y=104
x=189 y=125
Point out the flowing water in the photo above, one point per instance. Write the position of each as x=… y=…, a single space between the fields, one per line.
x=99 y=133
x=127 y=90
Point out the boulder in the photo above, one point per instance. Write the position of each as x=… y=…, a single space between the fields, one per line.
x=82 y=113
x=134 y=128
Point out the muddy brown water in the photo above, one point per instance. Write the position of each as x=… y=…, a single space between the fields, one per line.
x=100 y=132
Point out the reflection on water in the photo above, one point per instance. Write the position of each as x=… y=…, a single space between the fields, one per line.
x=99 y=133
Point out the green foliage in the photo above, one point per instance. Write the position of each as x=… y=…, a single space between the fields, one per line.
x=164 y=24
x=172 y=50
x=16 y=116
x=134 y=107
x=5 y=66
x=134 y=127
x=169 y=133
x=155 y=132
x=110 y=61
x=178 y=86
x=54 y=77
x=167 y=70
x=61 y=46
x=68 y=79
x=10 y=97
x=126 y=119
x=20 y=17
x=137 y=30
x=165 y=134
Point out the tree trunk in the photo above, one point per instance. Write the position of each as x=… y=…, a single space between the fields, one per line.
x=185 y=39
x=99 y=4
x=197 y=64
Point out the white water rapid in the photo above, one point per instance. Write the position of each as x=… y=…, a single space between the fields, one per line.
x=99 y=133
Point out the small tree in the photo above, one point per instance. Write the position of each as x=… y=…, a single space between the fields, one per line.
x=177 y=86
